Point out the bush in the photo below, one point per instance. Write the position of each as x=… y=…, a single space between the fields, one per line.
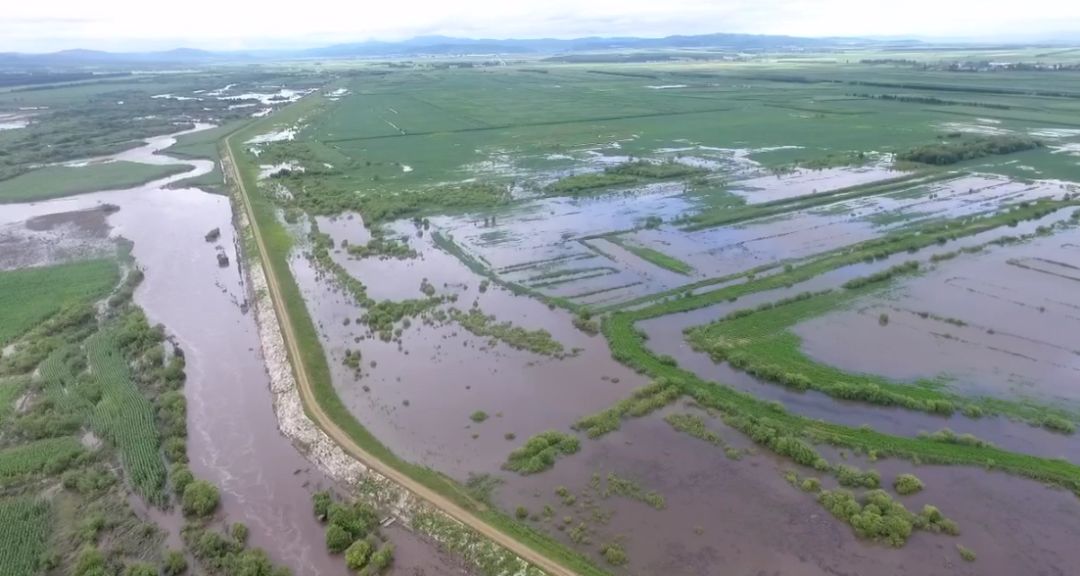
x=382 y=559
x=337 y=539
x=321 y=502
x=907 y=484
x=239 y=532
x=966 y=553
x=181 y=476
x=478 y=416
x=521 y=513
x=90 y=562
x=614 y=554
x=174 y=563
x=200 y=499
x=855 y=478
x=811 y=485
x=357 y=554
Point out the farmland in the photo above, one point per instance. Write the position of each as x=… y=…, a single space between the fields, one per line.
x=756 y=206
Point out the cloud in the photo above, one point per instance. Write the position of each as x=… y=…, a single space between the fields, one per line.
x=134 y=24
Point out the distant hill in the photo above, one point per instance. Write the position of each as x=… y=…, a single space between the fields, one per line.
x=431 y=45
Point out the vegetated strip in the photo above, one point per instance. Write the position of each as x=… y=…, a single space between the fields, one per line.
x=770 y=420
x=569 y=279
x=728 y=216
x=653 y=256
x=326 y=409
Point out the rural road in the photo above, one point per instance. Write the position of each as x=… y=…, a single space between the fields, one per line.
x=331 y=428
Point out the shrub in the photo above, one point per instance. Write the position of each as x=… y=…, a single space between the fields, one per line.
x=811 y=485
x=181 y=477
x=966 y=553
x=337 y=539
x=239 y=532
x=614 y=554
x=381 y=559
x=357 y=554
x=907 y=484
x=174 y=563
x=321 y=502
x=853 y=477
x=521 y=513
x=478 y=416
x=200 y=499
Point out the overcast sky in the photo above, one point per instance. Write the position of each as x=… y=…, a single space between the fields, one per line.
x=45 y=25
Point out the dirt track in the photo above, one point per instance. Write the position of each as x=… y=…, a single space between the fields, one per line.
x=331 y=428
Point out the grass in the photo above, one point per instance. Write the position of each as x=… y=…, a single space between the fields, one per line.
x=59 y=181
x=694 y=425
x=30 y=295
x=25 y=526
x=653 y=256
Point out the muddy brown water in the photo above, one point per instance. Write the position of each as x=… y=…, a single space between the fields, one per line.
x=724 y=516
x=419 y=397
x=233 y=439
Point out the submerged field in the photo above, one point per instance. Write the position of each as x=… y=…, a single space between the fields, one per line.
x=493 y=269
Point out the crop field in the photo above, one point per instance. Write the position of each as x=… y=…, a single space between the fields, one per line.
x=531 y=278
x=26 y=527
x=125 y=417
x=29 y=296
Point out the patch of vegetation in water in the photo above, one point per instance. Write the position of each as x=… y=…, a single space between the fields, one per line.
x=694 y=425
x=382 y=247
x=645 y=400
x=628 y=488
x=486 y=326
x=621 y=175
x=352 y=529
x=876 y=516
x=541 y=451
x=961 y=148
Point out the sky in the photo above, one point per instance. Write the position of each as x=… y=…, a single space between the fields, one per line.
x=119 y=25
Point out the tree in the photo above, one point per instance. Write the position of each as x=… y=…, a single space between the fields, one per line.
x=200 y=499
x=356 y=557
x=337 y=539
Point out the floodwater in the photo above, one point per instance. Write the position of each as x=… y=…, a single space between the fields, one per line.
x=666 y=337
x=233 y=440
x=801 y=182
x=1005 y=322
x=417 y=397
x=724 y=516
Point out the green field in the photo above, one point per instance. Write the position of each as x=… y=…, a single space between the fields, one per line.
x=29 y=296
x=60 y=181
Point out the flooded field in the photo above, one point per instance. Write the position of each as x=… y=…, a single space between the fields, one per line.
x=998 y=323
x=724 y=516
